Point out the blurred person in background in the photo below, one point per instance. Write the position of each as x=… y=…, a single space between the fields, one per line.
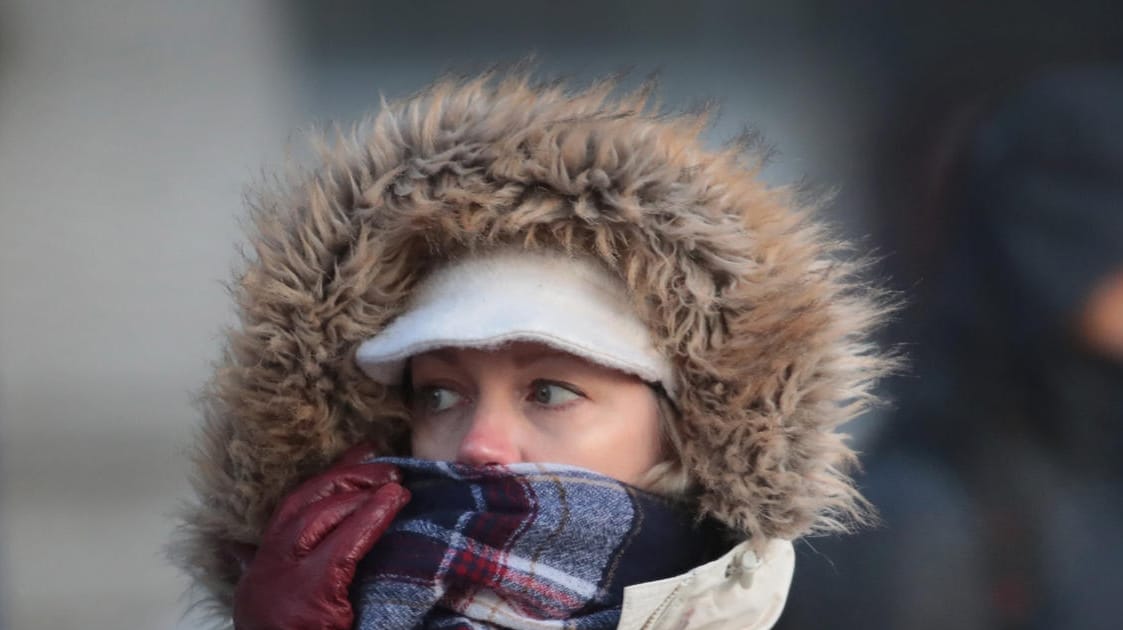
x=1001 y=477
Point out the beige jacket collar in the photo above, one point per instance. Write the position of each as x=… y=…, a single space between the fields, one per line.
x=738 y=591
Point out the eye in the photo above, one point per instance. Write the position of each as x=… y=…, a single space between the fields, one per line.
x=550 y=394
x=437 y=399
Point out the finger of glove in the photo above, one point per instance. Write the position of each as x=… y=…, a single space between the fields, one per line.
x=358 y=454
x=333 y=481
x=355 y=537
x=312 y=525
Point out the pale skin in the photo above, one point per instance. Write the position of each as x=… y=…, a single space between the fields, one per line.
x=526 y=402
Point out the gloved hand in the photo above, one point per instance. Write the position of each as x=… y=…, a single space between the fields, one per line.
x=300 y=575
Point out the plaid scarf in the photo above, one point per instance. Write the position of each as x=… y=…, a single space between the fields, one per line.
x=523 y=546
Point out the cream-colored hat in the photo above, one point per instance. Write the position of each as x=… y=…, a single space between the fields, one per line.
x=572 y=304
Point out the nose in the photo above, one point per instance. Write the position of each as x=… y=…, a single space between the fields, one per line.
x=491 y=437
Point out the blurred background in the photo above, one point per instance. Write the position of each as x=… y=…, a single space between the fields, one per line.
x=976 y=151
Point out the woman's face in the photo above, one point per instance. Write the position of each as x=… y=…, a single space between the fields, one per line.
x=526 y=402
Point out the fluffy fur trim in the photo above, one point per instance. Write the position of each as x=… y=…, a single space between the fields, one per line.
x=765 y=320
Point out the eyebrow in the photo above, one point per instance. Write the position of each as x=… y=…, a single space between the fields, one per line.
x=529 y=358
x=444 y=355
x=521 y=360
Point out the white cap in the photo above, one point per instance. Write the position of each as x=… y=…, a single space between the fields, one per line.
x=571 y=304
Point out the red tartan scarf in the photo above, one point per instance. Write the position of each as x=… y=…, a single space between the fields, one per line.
x=523 y=546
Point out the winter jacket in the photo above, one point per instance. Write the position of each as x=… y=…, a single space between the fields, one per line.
x=739 y=591
x=757 y=305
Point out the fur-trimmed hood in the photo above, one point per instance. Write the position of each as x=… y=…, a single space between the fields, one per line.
x=765 y=322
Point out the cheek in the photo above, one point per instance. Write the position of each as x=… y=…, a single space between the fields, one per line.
x=622 y=440
x=426 y=443
x=645 y=432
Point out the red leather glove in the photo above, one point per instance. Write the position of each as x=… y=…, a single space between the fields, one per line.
x=300 y=575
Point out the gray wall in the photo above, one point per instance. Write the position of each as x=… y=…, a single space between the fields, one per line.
x=127 y=131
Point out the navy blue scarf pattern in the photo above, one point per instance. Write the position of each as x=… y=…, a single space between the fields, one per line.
x=523 y=546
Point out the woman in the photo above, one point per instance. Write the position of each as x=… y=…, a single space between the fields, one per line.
x=505 y=275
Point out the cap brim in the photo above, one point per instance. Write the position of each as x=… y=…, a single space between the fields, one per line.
x=488 y=303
